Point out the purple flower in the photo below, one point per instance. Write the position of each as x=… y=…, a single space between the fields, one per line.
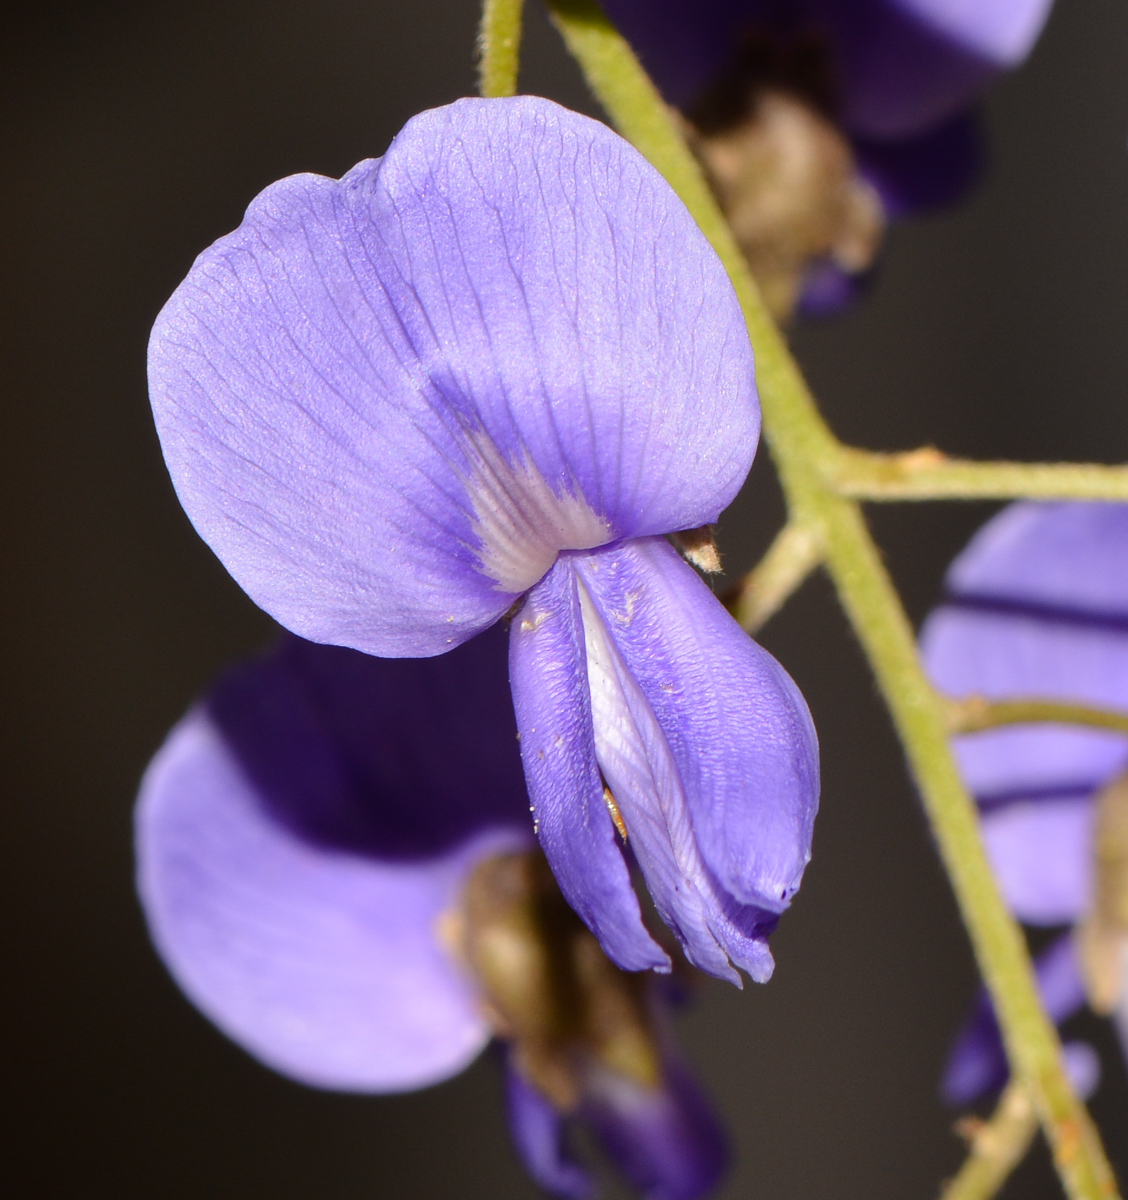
x=484 y=375
x=320 y=844
x=1037 y=607
x=771 y=85
x=898 y=68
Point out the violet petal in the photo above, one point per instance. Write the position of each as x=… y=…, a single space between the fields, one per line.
x=538 y=1132
x=1042 y=855
x=1037 y=606
x=683 y=44
x=1083 y=1066
x=666 y=1141
x=327 y=966
x=902 y=66
x=708 y=748
x=827 y=289
x=399 y=758
x=907 y=65
x=388 y=401
x=978 y=1062
x=550 y=693
x=931 y=170
x=1003 y=31
x=737 y=727
x=1068 y=555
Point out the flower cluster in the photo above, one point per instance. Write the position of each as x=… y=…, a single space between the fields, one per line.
x=820 y=120
x=1037 y=607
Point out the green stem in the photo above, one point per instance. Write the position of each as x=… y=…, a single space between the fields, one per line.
x=1031 y=1041
x=997 y=1147
x=927 y=474
x=760 y=594
x=499 y=47
x=975 y=713
x=805 y=453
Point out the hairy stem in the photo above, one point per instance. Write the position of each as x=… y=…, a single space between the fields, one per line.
x=499 y=47
x=761 y=593
x=927 y=474
x=806 y=454
x=997 y=1146
x=918 y=713
x=975 y=713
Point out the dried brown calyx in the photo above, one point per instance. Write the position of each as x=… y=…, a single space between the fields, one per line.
x=549 y=989
x=781 y=169
x=1103 y=934
x=699 y=546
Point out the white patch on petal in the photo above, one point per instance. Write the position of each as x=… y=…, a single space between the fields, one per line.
x=638 y=765
x=630 y=747
x=521 y=522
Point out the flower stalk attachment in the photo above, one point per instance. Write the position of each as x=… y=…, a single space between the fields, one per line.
x=928 y=474
x=759 y=595
x=996 y=1146
x=975 y=713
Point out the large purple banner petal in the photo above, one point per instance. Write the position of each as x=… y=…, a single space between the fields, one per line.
x=325 y=965
x=387 y=402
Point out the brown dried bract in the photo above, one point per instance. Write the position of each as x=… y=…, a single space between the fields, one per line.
x=699 y=546
x=1103 y=935
x=782 y=170
x=550 y=990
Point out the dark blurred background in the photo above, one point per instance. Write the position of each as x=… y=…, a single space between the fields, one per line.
x=133 y=135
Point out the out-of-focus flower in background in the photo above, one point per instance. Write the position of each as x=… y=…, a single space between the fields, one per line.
x=484 y=375
x=818 y=121
x=1037 y=608
x=337 y=863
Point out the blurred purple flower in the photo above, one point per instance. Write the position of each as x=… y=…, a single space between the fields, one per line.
x=898 y=68
x=898 y=77
x=1037 y=607
x=306 y=838
x=484 y=375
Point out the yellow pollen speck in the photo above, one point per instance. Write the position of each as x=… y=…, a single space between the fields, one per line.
x=613 y=809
